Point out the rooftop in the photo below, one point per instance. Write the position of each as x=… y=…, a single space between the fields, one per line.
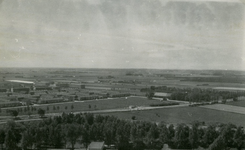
x=21 y=81
x=96 y=145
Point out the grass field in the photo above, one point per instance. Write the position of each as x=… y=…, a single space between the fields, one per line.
x=227 y=108
x=237 y=103
x=184 y=115
x=96 y=105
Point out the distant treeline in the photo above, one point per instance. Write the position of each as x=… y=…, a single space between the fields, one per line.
x=164 y=104
x=232 y=79
x=195 y=94
x=56 y=132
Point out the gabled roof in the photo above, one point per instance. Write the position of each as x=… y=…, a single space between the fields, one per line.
x=162 y=94
x=96 y=145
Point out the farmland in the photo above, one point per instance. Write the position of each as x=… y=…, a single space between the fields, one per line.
x=238 y=103
x=227 y=108
x=184 y=115
x=94 y=105
x=57 y=90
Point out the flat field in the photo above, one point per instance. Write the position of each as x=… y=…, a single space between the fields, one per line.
x=227 y=108
x=96 y=104
x=237 y=103
x=184 y=115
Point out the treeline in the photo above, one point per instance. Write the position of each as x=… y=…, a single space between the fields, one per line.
x=227 y=79
x=194 y=94
x=58 y=131
x=164 y=104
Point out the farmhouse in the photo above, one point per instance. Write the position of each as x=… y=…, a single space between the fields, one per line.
x=10 y=104
x=161 y=95
x=77 y=86
x=96 y=146
x=53 y=100
x=21 y=81
x=97 y=87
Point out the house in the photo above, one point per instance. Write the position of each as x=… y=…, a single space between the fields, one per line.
x=96 y=146
x=161 y=95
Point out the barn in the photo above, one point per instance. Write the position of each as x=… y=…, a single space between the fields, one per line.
x=96 y=146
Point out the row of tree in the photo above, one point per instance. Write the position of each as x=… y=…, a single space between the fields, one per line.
x=59 y=131
x=194 y=94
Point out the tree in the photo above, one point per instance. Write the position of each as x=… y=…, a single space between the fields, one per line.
x=163 y=133
x=2 y=138
x=29 y=114
x=138 y=145
x=151 y=139
x=85 y=136
x=181 y=137
x=210 y=135
x=13 y=136
x=26 y=140
x=150 y=94
x=218 y=144
x=56 y=137
x=14 y=113
x=239 y=138
x=72 y=133
x=235 y=99
x=41 y=112
x=193 y=136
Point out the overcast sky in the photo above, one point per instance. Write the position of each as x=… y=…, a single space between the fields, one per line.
x=122 y=34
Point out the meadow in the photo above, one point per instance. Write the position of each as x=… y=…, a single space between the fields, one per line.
x=227 y=108
x=237 y=103
x=92 y=105
x=184 y=115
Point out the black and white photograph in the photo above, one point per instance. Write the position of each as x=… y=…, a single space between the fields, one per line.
x=122 y=74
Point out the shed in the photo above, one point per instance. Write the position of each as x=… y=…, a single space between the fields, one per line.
x=96 y=146
x=160 y=94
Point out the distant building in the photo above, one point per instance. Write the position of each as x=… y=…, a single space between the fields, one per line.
x=97 y=87
x=21 y=81
x=96 y=146
x=52 y=100
x=161 y=95
x=78 y=86
x=26 y=90
x=10 y=104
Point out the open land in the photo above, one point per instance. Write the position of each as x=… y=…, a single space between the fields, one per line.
x=184 y=115
x=238 y=103
x=117 y=91
x=227 y=108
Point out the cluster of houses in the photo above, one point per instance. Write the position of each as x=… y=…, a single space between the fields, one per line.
x=18 y=92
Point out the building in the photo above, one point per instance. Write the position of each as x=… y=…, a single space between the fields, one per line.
x=77 y=86
x=161 y=95
x=10 y=104
x=96 y=146
x=52 y=100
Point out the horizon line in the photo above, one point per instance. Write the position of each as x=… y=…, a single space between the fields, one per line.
x=117 y=68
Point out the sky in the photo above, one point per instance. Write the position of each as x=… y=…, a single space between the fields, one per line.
x=153 y=34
